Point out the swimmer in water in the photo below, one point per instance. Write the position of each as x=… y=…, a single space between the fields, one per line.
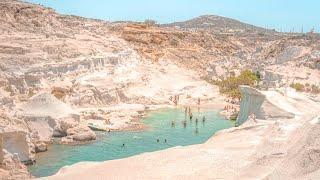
x=197 y=131
x=158 y=140
x=184 y=124
x=123 y=145
x=173 y=124
x=165 y=140
x=203 y=119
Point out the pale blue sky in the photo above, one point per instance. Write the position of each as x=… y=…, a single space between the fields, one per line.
x=278 y=14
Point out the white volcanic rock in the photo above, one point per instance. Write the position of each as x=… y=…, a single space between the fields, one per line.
x=71 y=130
x=256 y=102
x=17 y=142
x=68 y=123
x=81 y=133
x=60 y=130
x=43 y=113
x=78 y=134
x=43 y=126
x=41 y=147
x=45 y=104
x=11 y=167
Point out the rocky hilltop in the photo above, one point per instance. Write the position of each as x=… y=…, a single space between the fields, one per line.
x=61 y=74
x=218 y=24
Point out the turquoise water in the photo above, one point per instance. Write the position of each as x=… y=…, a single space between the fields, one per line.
x=110 y=145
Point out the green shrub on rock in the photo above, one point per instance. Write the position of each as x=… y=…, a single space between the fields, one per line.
x=297 y=86
x=230 y=85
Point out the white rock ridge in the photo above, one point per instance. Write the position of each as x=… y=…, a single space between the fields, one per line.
x=256 y=102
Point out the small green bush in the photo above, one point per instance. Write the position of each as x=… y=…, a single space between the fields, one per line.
x=297 y=86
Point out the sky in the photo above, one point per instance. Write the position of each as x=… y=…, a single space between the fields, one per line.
x=282 y=15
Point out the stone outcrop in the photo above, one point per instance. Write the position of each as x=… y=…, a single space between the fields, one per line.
x=78 y=134
x=41 y=147
x=12 y=169
x=17 y=143
x=45 y=104
x=71 y=131
x=48 y=117
x=255 y=102
x=42 y=125
x=60 y=130
x=81 y=133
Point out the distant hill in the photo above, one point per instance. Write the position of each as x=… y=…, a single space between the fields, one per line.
x=216 y=24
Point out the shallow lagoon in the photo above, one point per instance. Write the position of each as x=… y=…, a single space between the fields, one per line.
x=110 y=145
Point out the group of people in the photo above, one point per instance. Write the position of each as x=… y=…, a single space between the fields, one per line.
x=174 y=99
x=188 y=111
x=230 y=108
x=233 y=101
x=188 y=114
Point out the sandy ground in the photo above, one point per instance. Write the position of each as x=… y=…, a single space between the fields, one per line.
x=272 y=148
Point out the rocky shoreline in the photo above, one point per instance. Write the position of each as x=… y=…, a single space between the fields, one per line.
x=259 y=143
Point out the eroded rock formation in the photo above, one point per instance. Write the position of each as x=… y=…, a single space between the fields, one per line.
x=17 y=142
x=255 y=102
